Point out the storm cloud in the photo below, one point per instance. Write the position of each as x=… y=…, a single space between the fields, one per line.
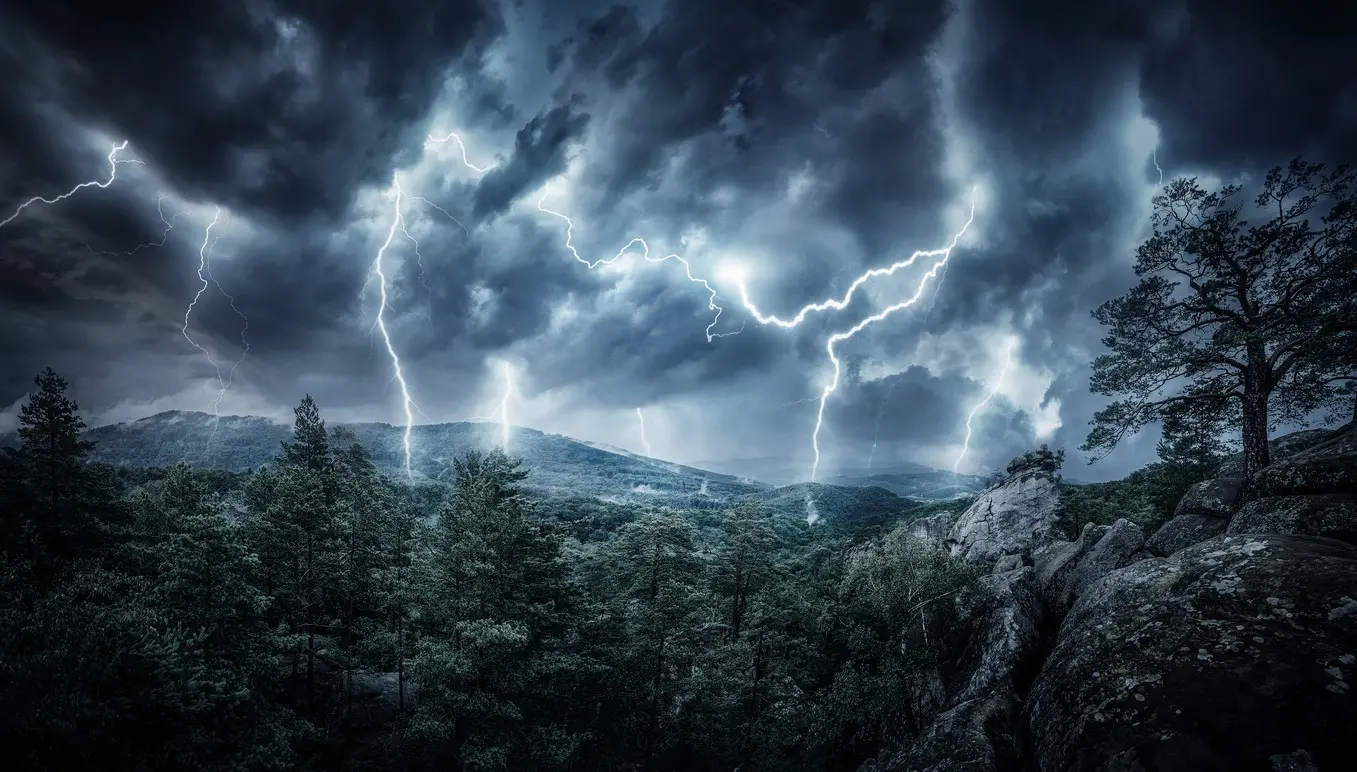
x=806 y=141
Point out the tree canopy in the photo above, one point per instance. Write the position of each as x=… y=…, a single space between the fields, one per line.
x=1241 y=319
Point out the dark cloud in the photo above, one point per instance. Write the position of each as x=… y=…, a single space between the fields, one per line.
x=1243 y=86
x=539 y=154
x=808 y=140
x=278 y=109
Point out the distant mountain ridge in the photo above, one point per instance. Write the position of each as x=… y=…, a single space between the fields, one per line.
x=558 y=464
x=560 y=468
x=903 y=478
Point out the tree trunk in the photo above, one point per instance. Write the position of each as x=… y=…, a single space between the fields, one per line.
x=1255 y=417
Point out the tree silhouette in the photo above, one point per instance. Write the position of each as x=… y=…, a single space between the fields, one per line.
x=1239 y=321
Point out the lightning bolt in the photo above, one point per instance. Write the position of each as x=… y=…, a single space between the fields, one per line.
x=645 y=442
x=570 y=246
x=378 y=270
x=994 y=389
x=1154 y=156
x=881 y=413
x=838 y=304
x=943 y=255
x=453 y=136
x=165 y=236
x=204 y=252
x=113 y=162
x=645 y=253
x=504 y=405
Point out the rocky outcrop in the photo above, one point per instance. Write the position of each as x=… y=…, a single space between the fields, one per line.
x=978 y=735
x=1065 y=569
x=1008 y=519
x=1213 y=498
x=1055 y=562
x=1279 y=449
x=1117 y=548
x=1333 y=515
x=1184 y=531
x=1220 y=657
x=1007 y=563
x=1329 y=466
x=994 y=638
x=934 y=528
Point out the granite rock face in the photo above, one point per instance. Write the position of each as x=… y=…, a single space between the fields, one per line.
x=1055 y=562
x=1214 y=498
x=1116 y=549
x=1327 y=514
x=1184 y=531
x=934 y=528
x=1008 y=519
x=995 y=636
x=1220 y=657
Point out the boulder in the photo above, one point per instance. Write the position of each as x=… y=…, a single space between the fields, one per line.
x=1220 y=657
x=1007 y=563
x=1215 y=498
x=1184 y=531
x=992 y=635
x=1279 y=449
x=1333 y=515
x=1309 y=474
x=933 y=528
x=1115 y=550
x=1054 y=563
x=1296 y=761
x=976 y=736
x=1007 y=519
x=999 y=628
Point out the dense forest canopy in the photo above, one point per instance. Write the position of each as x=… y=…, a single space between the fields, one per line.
x=315 y=613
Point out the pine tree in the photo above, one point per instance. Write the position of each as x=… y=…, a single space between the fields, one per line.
x=295 y=532
x=215 y=654
x=51 y=517
x=496 y=608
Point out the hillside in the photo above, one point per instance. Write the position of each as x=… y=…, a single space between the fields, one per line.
x=558 y=465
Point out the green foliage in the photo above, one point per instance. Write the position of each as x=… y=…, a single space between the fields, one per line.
x=1253 y=314
x=317 y=614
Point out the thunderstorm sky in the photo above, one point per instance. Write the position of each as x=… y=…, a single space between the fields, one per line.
x=807 y=141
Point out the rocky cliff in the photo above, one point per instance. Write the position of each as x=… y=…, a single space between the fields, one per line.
x=1226 y=640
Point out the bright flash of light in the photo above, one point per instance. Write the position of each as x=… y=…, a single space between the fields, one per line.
x=204 y=252
x=113 y=161
x=1154 y=156
x=378 y=270
x=645 y=253
x=644 y=442
x=735 y=273
x=942 y=256
x=453 y=136
x=504 y=405
x=881 y=414
x=169 y=224
x=979 y=406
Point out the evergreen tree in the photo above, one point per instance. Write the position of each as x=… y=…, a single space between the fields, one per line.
x=295 y=532
x=495 y=612
x=53 y=507
x=1253 y=314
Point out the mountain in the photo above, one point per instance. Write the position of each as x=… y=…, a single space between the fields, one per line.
x=559 y=465
x=903 y=478
x=855 y=506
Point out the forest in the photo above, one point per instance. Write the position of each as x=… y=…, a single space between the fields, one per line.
x=316 y=614
x=144 y=605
